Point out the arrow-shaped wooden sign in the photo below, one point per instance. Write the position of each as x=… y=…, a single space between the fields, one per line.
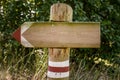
x=59 y=34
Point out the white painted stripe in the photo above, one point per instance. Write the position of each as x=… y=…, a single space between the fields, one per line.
x=59 y=64
x=24 y=42
x=25 y=27
x=57 y=75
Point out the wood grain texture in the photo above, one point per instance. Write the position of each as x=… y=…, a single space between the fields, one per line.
x=63 y=34
x=60 y=12
x=58 y=54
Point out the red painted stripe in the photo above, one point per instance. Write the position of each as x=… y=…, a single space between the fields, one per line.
x=58 y=69
x=17 y=34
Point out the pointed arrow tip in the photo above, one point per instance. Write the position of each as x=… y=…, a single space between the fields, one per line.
x=17 y=34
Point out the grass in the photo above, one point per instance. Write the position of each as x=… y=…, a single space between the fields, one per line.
x=77 y=72
x=94 y=73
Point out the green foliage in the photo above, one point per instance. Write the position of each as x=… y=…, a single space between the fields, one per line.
x=15 y=12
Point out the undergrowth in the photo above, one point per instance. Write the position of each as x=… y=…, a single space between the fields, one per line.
x=81 y=71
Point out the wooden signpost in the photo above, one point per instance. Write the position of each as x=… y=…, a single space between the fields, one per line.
x=59 y=36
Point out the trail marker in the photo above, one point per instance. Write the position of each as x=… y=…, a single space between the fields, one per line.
x=59 y=34
x=59 y=37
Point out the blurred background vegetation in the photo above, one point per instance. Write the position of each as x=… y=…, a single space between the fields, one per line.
x=19 y=63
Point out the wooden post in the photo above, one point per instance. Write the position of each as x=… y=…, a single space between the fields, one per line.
x=58 y=63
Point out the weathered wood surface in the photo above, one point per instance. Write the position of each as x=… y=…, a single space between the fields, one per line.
x=61 y=34
x=60 y=12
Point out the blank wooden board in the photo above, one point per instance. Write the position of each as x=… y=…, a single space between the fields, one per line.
x=60 y=34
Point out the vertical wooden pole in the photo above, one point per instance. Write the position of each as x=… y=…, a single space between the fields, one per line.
x=58 y=63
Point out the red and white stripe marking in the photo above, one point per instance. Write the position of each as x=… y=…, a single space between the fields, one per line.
x=58 y=69
x=57 y=75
